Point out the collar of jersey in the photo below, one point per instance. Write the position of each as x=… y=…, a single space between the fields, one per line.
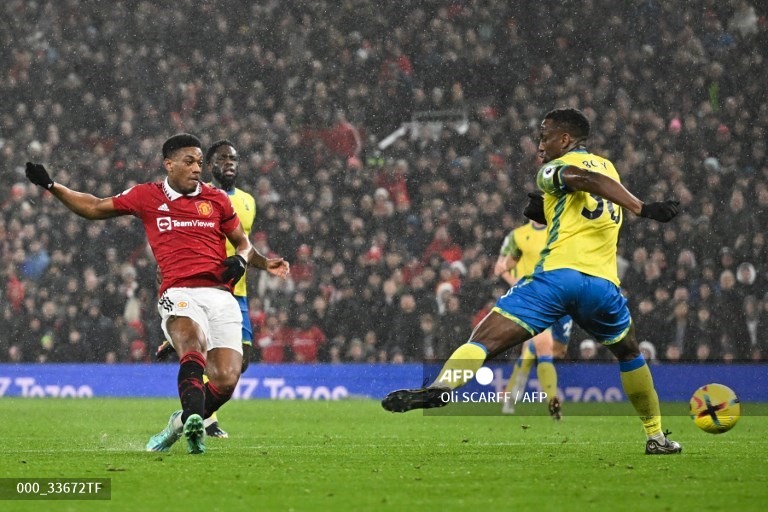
x=173 y=195
x=578 y=150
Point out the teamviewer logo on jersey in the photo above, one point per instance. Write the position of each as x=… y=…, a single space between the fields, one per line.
x=164 y=224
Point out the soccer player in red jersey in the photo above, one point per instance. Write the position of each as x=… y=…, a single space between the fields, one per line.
x=186 y=222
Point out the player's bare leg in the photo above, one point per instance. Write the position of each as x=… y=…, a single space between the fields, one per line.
x=223 y=371
x=211 y=423
x=559 y=349
x=189 y=342
x=493 y=335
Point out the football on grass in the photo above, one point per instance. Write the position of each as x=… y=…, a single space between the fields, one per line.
x=715 y=408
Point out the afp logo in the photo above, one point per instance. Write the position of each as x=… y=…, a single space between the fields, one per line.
x=164 y=224
x=484 y=376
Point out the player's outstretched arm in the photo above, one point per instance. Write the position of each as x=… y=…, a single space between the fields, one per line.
x=85 y=205
x=576 y=178
x=278 y=267
x=275 y=266
x=250 y=256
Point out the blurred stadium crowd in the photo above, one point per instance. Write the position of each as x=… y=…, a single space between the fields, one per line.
x=392 y=245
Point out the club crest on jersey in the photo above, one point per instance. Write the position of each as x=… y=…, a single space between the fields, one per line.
x=204 y=208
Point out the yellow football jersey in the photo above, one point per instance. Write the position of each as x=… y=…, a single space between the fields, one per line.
x=524 y=244
x=582 y=229
x=245 y=207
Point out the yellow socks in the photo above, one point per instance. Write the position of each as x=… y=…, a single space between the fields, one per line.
x=469 y=356
x=521 y=369
x=547 y=374
x=638 y=385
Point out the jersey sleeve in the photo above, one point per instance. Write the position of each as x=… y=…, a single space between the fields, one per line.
x=507 y=244
x=549 y=179
x=514 y=247
x=129 y=201
x=509 y=247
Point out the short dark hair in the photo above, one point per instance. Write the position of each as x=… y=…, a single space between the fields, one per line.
x=216 y=145
x=178 y=141
x=571 y=121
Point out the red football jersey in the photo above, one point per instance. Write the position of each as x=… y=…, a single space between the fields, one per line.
x=186 y=232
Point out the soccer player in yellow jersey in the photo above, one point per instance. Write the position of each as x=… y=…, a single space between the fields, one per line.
x=517 y=258
x=576 y=275
x=222 y=161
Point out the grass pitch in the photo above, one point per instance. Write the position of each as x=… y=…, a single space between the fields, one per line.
x=352 y=455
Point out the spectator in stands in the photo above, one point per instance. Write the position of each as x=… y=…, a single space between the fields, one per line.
x=704 y=354
x=453 y=324
x=672 y=353
x=99 y=333
x=16 y=354
x=429 y=339
x=138 y=353
x=272 y=339
x=746 y=280
x=730 y=317
x=648 y=319
x=648 y=350
x=356 y=351
x=442 y=246
x=405 y=331
x=308 y=340
x=346 y=313
x=678 y=326
x=36 y=261
x=588 y=350
x=703 y=332
x=72 y=349
x=754 y=341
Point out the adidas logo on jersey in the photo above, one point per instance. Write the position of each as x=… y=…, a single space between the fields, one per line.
x=163 y=208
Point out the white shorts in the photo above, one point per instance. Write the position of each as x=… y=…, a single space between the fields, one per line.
x=215 y=311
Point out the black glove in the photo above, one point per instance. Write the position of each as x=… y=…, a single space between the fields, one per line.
x=247 y=351
x=164 y=351
x=234 y=268
x=37 y=174
x=534 y=210
x=662 y=211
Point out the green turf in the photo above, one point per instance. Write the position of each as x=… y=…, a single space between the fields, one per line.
x=352 y=455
